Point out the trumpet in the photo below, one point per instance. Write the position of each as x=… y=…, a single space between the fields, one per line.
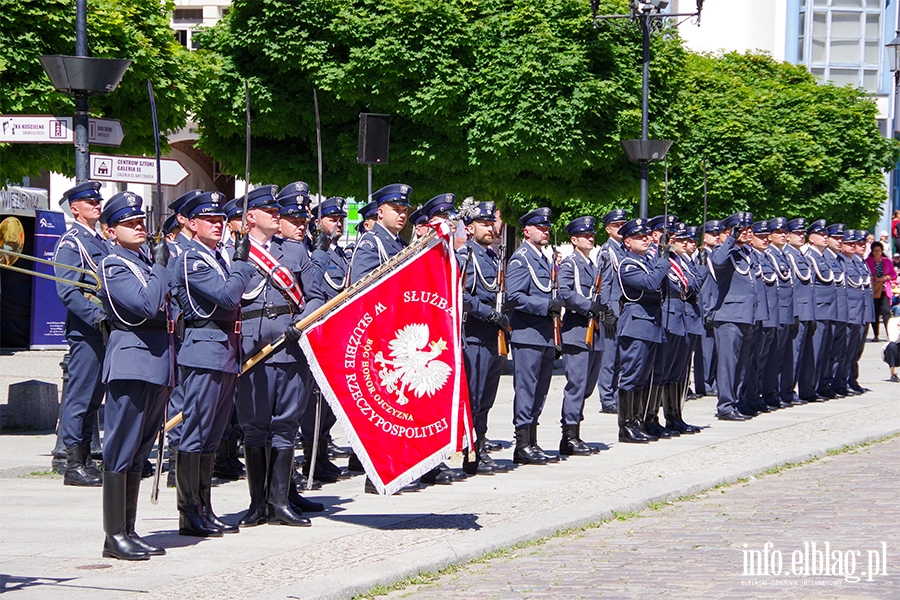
x=12 y=235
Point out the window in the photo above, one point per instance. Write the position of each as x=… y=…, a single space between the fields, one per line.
x=188 y=15
x=840 y=41
x=185 y=38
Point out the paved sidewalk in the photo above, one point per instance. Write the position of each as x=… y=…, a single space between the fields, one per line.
x=51 y=535
x=697 y=548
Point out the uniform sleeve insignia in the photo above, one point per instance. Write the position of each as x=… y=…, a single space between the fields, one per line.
x=198 y=264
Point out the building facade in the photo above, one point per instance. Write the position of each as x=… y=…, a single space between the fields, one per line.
x=839 y=41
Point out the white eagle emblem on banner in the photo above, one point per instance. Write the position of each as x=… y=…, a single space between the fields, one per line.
x=414 y=370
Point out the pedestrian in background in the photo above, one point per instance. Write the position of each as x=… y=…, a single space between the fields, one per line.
x=891 y=351
x=895 y=231
x=883 y=274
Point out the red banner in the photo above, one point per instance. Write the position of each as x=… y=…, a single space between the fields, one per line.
x=389 y=362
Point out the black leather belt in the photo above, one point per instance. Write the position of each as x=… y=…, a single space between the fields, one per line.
x=270 y=312
x=226 y=326
x=168 y=326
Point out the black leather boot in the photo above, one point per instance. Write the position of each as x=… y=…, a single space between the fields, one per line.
x=412 y=486
x=117 y=544
x=76 y=473
x=525 y=453
x=300 y=504
x=257 y=473
x=335 y=451
x=236 y=464
x=570 y=445
x=207 y=466
x=190 y=516
x=651 y=416
x=492 y=446
x=627 y=434
x=278 y=509
x=173 y=454
x=484 y=457
x=640 y=401
x=132 y=489
x=223 y=467
x=455 y=474
x=90 y=466
x=474 y=463
x=550 y=458
x=325 y=471
x=436 y=477
x=354 y=465
x=672 y=411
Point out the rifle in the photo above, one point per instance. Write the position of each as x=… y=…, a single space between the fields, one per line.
x=246 y=156
x=157 y=236
x=502 y=346
x=318 y=392
x=592 y=322
x=557 y=321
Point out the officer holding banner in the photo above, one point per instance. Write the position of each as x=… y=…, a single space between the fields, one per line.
x=379 y=243
x=272 y=394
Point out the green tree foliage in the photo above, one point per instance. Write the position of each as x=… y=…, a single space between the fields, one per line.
x=776 y=143
x=135 y=29
x=517 y=101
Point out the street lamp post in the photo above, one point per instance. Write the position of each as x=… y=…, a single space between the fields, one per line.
x=82 y=77
x=645 y=13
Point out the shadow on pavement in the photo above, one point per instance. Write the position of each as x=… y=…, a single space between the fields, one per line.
x=394 y=522
x=11 y=583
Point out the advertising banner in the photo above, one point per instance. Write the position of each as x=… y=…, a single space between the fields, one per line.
x=48 y=315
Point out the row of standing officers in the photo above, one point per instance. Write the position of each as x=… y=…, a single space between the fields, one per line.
x=183 y=315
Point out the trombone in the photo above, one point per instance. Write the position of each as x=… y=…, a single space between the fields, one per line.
x=12 y=236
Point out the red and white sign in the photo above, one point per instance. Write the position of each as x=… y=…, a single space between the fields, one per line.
x=389 y=362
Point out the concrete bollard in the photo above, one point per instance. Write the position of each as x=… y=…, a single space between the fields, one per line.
x=32 y=406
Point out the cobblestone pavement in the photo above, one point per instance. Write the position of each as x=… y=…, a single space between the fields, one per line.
x=700 y=548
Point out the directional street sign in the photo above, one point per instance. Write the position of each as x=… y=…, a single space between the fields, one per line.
x=136 y=169
x=36 y=129
x=48 y=129
x=105 y=132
